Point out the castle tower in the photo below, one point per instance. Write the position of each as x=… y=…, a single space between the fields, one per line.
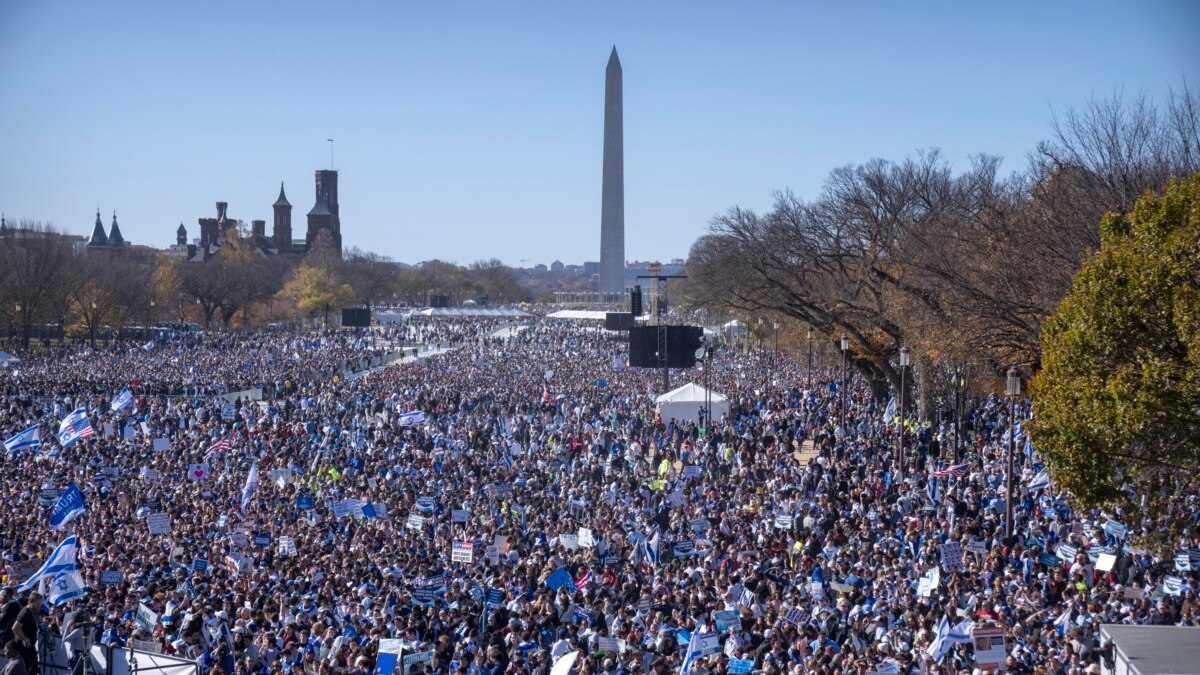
x=283 y=222
x=98 y=236
x=181 y=235
x=612 y=192
x=114 y=235
x=324 y=214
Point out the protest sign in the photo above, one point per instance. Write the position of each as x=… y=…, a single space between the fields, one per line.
x=159 y=523
x=989 y=647
x=462 y=551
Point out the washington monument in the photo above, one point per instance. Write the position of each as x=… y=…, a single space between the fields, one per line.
x=612 y=198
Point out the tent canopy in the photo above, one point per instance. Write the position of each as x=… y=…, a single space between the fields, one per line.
x=686 y=402
x=6 y=358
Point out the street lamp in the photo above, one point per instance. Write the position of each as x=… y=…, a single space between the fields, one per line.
x=16 y=322
x=903 y=388
x=842 y=407
x=1014 y=390
x=92 y=325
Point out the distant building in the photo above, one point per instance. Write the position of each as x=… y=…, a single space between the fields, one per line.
x=100 y=240
x=323 y=217
x=556 y=266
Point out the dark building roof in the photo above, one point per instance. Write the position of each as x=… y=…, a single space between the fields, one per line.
x=182 y=230
x=320 y=209
x=282 y=201
x=98 y=236
x=3 y=226
x=114 y=235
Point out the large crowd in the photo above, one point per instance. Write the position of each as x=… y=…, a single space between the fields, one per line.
x=517 y=500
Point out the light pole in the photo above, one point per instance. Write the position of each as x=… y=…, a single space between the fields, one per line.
x=92 y=325
x=1014 y=390
x=842 y=407
x=903 y=388
x=808 y=363
x=16 y=323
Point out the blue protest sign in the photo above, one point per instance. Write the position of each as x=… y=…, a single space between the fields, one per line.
x=495 y=596
x=560 y=578
x=304 y=503
x=741 y=665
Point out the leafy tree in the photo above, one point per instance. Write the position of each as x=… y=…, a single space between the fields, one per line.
x=315 y=290
x=1116 y=404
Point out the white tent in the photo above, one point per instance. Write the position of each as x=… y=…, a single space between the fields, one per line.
x=734 y=327
x=686 y=402
x=6 y=358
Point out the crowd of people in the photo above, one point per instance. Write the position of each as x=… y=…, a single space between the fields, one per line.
x=517 y=501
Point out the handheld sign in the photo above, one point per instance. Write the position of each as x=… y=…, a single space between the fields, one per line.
x=462 y=551
x=159 y=523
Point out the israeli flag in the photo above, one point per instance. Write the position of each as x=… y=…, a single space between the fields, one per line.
x=251 y=484
x=70 y=505
x=64 y=587
x=1040 y=481
x=74 y=427
x=410 y=418
x=652 y=546
x=60 y=561
x=889 y=413
x=946 y=637
x=123 y=400
x=30 y=438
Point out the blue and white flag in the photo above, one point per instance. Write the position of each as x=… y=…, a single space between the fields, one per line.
x=122 y=400
x=652 y=547
x=148 y=346
x=64 y=587
x=889 y=413
x=30 y=438
x=251 y=484
x=70 y=505
x=689 y=657
x=1040 y=481
x=946 y=637
x=61 y=560
x=74 y=427
x=410 y=418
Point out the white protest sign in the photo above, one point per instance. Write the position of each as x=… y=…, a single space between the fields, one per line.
x=928 y=583
x=159 y=523
x=952 y=556
x=146 y=617
x=462 y=551
x=585 y=538
x=415 y=522
x=287 y=547
x=989 y=647
x=197 y=471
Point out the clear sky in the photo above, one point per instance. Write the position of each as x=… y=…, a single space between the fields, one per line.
x=467 y=130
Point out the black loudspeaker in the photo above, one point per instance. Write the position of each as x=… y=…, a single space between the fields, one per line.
x=635 y=301
x=439 y=301
x=618 y=321
x=356 y=317
x=682 y=343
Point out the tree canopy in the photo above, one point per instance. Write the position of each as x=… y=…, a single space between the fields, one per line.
x=1117 y=403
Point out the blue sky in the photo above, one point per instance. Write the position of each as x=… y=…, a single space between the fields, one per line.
x=467 y=130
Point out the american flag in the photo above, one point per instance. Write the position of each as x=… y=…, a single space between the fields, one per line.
x=956 y=471
x=222 y=445
x=74 y=427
